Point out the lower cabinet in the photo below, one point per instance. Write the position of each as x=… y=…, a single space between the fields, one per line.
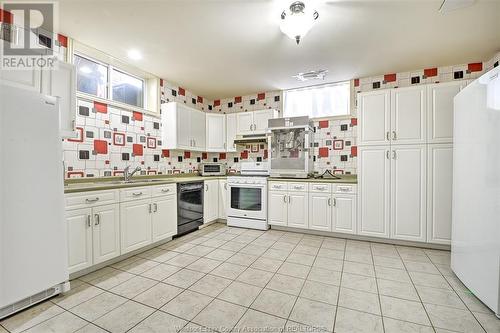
x=320 y=211
x=222 y=199
x=164 y=217
x=288 y=204
x=297 y=210
x=79 y=231
x=106 y=233
x=135 y=218
x=344 y=214
x=277 y=208
x=211 y=200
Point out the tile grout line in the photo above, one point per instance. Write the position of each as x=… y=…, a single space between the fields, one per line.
x=340 y=286
x=378 y=290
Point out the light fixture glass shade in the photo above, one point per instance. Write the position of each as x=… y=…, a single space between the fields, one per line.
x=297 y=21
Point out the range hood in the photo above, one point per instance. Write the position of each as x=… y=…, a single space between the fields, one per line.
x=250 y=139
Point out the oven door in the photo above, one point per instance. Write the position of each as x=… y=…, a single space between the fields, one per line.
x=247 y=201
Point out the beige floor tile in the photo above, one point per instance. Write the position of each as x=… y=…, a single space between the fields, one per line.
x=351 y=321
x=456 y=284
x=359 y=300
x=255 y=277
x=313 y=313
x=429 y=280
x=286 y=284
x=423 y=267
x=404 y=310
x=384 y=250
x=311 y=240
x=3 y=330
x=220 y=315
x=324 y=276
x=489 y=321
x=359 y=268
x=160 y=272
x=125 y=262
x=473 y=303
x=220 y=254
x=98 y=306
x=331 y=254
x=214 y=242
x=182 y=260
x=187 y=304
x=158 y=295
x=440 y=297
x=77 y=295
x=159 y=322
x=111 y=280
x=164 y=255
x=182 y=247
x=90 y=328
x=232 y=246
x=133 y=287
x=334 y=243
x=299 y=258
x=210 y=285
x=295 y=270
x=139 y=266
x=255 y=321
x=392 y=274
x=267 y=264
x=276 y=254
x=280 y=245
x=397 y=289
x=304 y=249
x=359 y=282
x=184 y=278
x=31 y=317
x=242 y=259
x=327 y=263
x=253 y=250
x=64 y=322
x=228 y=270
x=364 y=258
x=398 y=326
x=321 y=292
x=292 y=326
x=124 y=317
x=388 y=262
x=204 y=265
x=274 y=302
x=240 y=293
x=453 y=319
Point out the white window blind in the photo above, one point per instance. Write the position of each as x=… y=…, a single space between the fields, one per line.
x=318 y=102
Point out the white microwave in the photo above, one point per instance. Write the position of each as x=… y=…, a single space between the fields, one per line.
x=212 y=169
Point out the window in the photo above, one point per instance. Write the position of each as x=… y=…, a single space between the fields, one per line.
x=318 y=102
x=91 y=77
x=127 y=89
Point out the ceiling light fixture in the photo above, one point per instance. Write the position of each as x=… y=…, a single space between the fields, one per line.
x=297 y=20
x=312 y=75
x=134 y=55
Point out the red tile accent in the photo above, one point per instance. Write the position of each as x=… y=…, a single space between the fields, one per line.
x=217 y=102
x=182 y=91
x=356 y=82
x=244 y=155
x=338 y=172
x=80 y=137
x=151 y=142
x=237 y=100
x=137 y=116
x=199 y=99
x=222 y=156
x=323 y=152
x=187 y=154
x=338 y=144
x=75 y=174
x=475 y=67
x=152 y=172
x=63 y=40
x=430 y=72
x=161 y=82
x=137 y=149
x=165 y=153
x=261 y=96
x=265 y=154
x=176 y=171
x=204 y=156
x=354 y=151
x=6 y=16
x=116 y=141
x=118 y=173
x=323 y=123
x=101 y=107
x=354 y=121
x=390 y=77
x=101 y=146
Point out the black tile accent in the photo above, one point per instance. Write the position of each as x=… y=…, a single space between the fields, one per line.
x=347 y=143
x=314 y=158
x=107 y=134
x=415 y=80
x=343 y=158
x=215 y=159
x=84 y=154
x=344 y=127
x=230 y=104
x=130 y=139
x=210 y=107
x=198 y=159
x=126 y=119
x=376 y=85
x=90 y=175
x=107 y=173
x=158 y=142
x=156 y=125
x=89 y=134
x=45 y=41
x=156 y=158
x=179 y=158
x=316 y=144
x=142 y=139
x=174 y=92
x=276 y=98
x=236 y=160
x=252 y=101
x=495 y=64
x=125 y=156
x=259 y=159
x=193 y=100
x=83 y=111
x=458 y=75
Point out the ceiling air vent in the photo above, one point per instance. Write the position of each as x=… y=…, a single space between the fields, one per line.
x=312 y=75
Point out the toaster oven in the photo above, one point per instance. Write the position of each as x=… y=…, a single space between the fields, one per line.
x=212 y=169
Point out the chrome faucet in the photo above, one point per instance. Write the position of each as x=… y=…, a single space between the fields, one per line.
x=128 y=175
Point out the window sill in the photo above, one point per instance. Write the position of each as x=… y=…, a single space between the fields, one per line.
x=127 y=107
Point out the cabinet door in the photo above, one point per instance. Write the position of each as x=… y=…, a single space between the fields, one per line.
x=211 y=201
x=79 y=229
x=298 y=212
x=216 y=132
x=277 y=208
x=231 y=131
x=408 y=115
x=373 y=191
x=27 y=79
x=164 y=218
x=374 y=117
x=222 y=199
x=440 y=111
x=135 y=218
x=106 y=232
x=198 y=129
x=408 y=197
x=439 y=193
x=260 y=120
x=244 y=122
x=320 y=211
x=344 y=214
x=184 y=139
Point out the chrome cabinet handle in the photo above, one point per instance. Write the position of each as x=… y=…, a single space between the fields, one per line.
x=156 y=207
x=387 y=154
x=334 y=202
x=91 y=200
x=289 y=199
x=394 y=156
x=284 y=198
x=89 y=223
x=297 y=188
x=394 y=136
x=136 y=194
x=165 y=190
x=97 y=219
x=206 y=187
x=150 y=208
x=330 y=202
x=387 y=136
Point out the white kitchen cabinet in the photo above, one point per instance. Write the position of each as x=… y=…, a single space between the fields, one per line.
x=28 y=79
x=164 y=217
x=231 y=131
x=409 y=115
x=260 y=119
x=439 y=193
x=222 y=199
x=440 y=110
x=374 y=117
x=106 y=232
x=254 y=122
x=408 y=192
x=135 y=221
x=320 y=211
x=277 y=208
x=297 y=210
x=183 y=127
x=210 y=200
x=244 y=122
x=344 y=214
x=373 y=191
x=79 y=231
x=216 y=132
x=198 y=129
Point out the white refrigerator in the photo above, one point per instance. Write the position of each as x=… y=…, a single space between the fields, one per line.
x=475 y=249
x=33 y=250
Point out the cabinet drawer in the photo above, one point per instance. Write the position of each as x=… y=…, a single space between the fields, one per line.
x=319 y=187
x=135 y=193
x=163 y=190
x=277 y=186
x=90 y=199
x=300 y=187
x=344 y=188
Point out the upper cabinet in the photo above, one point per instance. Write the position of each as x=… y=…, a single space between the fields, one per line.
x=231 y=131
x=374 y=117
x=216 y=132
x=183 y=127
x=254 y=122
x=408 y=115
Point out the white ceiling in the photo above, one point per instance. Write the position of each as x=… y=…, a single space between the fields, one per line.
x=224 y=48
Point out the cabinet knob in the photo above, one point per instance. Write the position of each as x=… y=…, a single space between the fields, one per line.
x=97 y=219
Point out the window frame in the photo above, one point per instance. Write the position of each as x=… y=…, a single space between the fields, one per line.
x=111 y=69
x=84 y=56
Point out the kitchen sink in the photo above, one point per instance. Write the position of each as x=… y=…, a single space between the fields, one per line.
x=133 y=181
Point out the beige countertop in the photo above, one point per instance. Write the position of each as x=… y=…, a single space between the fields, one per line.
x=111 y=183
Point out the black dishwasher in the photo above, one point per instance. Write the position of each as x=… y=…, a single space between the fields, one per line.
x=189 y=207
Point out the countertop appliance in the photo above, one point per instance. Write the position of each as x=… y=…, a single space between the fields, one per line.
x=33 y=252
x=475 y=241
x=212 y=169
x=189 y=207
x=291 y=144
x=247 y=197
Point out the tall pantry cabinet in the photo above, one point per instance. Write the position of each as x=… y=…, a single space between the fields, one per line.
x=404 y=162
